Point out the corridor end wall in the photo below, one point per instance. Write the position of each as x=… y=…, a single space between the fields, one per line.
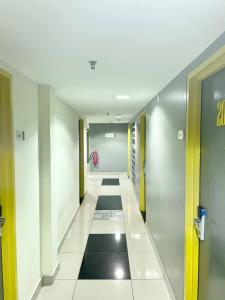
x=112 y=151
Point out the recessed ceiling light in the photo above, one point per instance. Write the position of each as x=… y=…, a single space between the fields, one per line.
x=122 y=97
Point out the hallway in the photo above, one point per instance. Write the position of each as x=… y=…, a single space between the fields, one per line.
x=107 y=253
x=112 y=126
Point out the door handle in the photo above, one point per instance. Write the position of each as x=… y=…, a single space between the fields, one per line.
x=144 y=167
x=2 y=222
x=200 y=222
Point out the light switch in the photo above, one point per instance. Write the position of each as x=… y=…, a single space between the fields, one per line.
x=180 y=135
x=20 y=135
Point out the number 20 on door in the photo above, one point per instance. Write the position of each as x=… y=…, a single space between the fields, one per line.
x=220 y=113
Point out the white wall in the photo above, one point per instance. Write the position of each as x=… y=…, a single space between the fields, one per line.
x=64 y=163
x=25 y=108
x=64 y=191
x=85 y=154
x=48 y=211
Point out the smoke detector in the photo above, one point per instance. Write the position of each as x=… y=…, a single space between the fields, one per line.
x=93 y=64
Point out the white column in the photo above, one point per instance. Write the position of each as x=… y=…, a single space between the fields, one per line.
x=48 y=214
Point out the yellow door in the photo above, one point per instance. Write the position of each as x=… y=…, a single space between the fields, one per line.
x=142 y=165
x=193 y=171
x=7 y=190
x=128 y=148
x=81 y=152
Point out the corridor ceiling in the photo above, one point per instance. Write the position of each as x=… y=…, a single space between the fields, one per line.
x=140 y=45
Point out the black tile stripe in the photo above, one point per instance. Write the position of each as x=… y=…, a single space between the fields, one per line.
x=110 y=181
x=106 y=255
x=109 y=203
x=106 y=243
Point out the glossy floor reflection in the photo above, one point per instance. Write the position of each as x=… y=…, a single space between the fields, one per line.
x=108 y=254
x=106 y=243
x=105 y=265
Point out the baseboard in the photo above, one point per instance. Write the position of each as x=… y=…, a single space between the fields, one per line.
x=49 y=279
x=134 y=192
x=81 y=200
x=36 y=290
x=67 y=230
x=143 y=213
x=165 y=277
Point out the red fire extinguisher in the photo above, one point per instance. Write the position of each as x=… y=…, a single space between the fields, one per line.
x=94 y=158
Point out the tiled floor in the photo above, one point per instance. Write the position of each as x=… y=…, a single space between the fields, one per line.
x=107 y=254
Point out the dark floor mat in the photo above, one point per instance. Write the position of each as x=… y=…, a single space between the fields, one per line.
x=106 y=243
x=110 y=181
x=105 y=265
x=109 y=203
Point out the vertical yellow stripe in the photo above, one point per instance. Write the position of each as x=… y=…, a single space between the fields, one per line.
x=7 y=189
x=128 y=154
x=192 y=191
x=81 y=142
x=142 y=162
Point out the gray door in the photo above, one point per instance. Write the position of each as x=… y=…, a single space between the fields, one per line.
x=212 y=190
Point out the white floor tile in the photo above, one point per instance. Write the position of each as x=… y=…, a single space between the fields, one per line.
x=139 y=243
x=103 y=290
x=132 y=214
x=61 y=289
x=69 y=265
x=107 y=227
x=74 y=243
x=132 y=217
x=144 y=266
x=88 y=205
x=150 y=290
x=130 y=209
x=80 y=226
x=110 y=190
x=136 y=227
x=85 y=215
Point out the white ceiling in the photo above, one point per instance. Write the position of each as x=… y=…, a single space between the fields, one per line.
x=140 y=46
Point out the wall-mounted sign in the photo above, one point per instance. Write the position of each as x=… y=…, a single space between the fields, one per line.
x=220 y=113
x=110 y=135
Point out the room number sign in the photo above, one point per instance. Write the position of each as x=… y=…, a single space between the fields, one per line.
x=220 y=113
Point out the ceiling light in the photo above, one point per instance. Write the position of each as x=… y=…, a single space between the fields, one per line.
x=118 y=117
x=122 y=97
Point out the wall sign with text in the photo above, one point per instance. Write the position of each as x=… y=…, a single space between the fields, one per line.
x=220 y=113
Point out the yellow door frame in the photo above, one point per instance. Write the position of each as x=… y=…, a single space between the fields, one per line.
x=128 y=149
x=142 y=164
x=81 y=159
x=7 y=188
x=214 y=64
